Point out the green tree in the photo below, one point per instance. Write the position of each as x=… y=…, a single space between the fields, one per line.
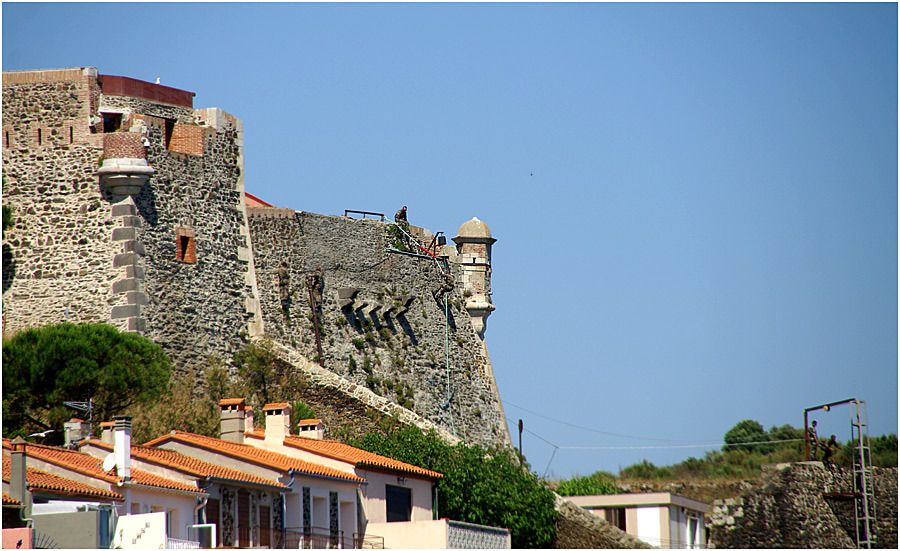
x=599 y=483
x=744 y=435
x=481 y=486
x=45 y=366
x=262 y=378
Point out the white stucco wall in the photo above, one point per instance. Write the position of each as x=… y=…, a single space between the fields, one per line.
x=648 y=525
x=375 y=495
x=430 y=534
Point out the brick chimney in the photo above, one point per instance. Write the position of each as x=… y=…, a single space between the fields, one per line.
x=231 y=419
x=311 y=428
x=122 y=445
x=76 y=430
x=18 y=488
x=278 y=421
x=106 y=432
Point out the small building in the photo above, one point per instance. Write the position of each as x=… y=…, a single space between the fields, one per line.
x=661 y=519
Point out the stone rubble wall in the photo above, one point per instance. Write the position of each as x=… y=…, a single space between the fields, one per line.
x=790 y=507
x=195 y=309
x=399 y=357
x=58 y=258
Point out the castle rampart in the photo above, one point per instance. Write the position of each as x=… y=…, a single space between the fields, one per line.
x=130 y=209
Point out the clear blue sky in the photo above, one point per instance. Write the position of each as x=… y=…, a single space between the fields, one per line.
x=695 y=205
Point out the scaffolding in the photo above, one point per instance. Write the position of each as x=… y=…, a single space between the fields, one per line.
x=863 y=493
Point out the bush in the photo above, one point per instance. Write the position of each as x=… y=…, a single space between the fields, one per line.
x=481 y=486
x=599 y=483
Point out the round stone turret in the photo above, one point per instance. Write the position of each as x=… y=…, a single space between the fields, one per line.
x=473 y=244
x=124 y=170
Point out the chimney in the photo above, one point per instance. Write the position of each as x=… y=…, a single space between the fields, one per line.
x=76 y=430
x=106 y=432
x=311 y=428
x=231 y=419
x=122 y=445
x=18 y=488
x=278 y=421
x=248 y=418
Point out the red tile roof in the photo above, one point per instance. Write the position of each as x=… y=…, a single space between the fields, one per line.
x=186 y=464
x=231 y=401
x=10 y=501
x=349 y=454
x=305 y=422
x=51 y=483
x=258 y=456
x=276 y=405
x=87 y=465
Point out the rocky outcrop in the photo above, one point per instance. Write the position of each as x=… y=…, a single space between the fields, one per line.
x=579 y=529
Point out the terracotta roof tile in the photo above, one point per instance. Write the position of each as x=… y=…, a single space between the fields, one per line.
x=356 y=456
x=304 y=422
x=51 y=483
x=231 y=401
x=10 y=501
x=276 y=405
x=184 y=463
x=91 y=466
x=254 y=455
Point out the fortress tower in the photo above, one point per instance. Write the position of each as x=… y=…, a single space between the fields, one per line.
x=473 y=245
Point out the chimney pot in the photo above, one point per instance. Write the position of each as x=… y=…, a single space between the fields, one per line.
x=278 y=421
x=122 y=445
x=231 y=419
x=18 y=488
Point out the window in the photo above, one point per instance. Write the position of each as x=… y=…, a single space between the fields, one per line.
x=185 y=245
x=135 y=508
x=6 y=138
x=40 y=137
x=399 y=503
x=212 y=517
x=615 y=516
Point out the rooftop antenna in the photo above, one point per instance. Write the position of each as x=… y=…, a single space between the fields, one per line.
x=87 y=407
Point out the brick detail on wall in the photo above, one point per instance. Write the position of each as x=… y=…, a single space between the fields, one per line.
x=187 y=139
x=123 y=145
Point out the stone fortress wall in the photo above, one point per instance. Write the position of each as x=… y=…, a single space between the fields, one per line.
x=803 y=506
x=379 y=320
x=130 y=209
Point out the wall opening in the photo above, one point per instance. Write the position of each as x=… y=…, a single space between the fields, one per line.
x=398 y=503
x=112 y=122
x=6 y=139
x=167 y=136
x=40 y=137
x=71 y=135
x=185 y=245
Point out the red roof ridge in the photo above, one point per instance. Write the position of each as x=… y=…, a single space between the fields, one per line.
x=189 y=465
x=357 y=456
x=259 y=456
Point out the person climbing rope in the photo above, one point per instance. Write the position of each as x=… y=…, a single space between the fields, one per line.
x=400 y=217
x=403 y=224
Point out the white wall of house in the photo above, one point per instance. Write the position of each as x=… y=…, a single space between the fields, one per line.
x=179 y=507
x=431 y=534
x=649 y=525
x=375 y=503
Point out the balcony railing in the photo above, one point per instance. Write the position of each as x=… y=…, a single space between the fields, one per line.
x=174 y=543
x=323 y=538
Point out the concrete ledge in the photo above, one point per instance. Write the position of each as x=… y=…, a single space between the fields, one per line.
x=125 y=311
x=137 y=297
x=124 y=209
x=127 y=284
x=124 y=259
x=123 y=234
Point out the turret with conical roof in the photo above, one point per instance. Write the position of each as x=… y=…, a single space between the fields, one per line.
x=473 y=245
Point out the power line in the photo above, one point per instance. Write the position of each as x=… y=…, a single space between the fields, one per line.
x=591 y=429
x=682 y=443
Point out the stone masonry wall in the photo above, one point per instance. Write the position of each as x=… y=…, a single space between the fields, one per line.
x=194 y=309
x=398 y=356
x=802 y=505
x=57 y=259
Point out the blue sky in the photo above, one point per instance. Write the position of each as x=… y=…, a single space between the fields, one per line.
x=695 y=205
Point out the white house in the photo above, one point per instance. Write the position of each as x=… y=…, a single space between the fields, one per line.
x=661 y=519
